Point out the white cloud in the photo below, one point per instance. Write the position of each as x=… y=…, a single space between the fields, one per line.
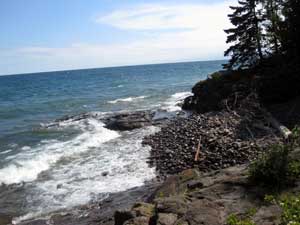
x=182 y=32
x=159 y=16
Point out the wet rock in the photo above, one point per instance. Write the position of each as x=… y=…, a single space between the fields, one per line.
x=132 y=120
x=105 y=173
x=129 y=121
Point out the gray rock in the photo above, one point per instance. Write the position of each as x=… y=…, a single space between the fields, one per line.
x=166 y=219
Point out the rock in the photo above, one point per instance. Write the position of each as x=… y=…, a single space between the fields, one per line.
x=194 y=184
x=5 y=220
x=204 y=212
x=268 y=215
x=105 y=173
x=122 y=216
x=222 y=193
x=173 y=204
x=143 y=209
x=225 y=140
x=128 y=121
x=142 y=220
x=166 y=219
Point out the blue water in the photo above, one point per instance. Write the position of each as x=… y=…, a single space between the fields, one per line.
x=29 y=100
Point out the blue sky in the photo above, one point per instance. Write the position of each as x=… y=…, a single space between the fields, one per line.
x=47 y=35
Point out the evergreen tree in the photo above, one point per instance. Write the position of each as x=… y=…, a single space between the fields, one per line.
x=292 y=24
x=246 y=36
x=273 y=20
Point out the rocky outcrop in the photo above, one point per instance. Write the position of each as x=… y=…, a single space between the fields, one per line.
x=122 y=121
x=193 y=198
x=209 y=94
x=129 y=120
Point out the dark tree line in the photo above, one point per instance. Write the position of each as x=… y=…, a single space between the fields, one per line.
x=263 y=29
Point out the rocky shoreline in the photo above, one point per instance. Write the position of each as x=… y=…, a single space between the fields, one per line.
x=207 y=156
x=226 y=138
x=231 y=130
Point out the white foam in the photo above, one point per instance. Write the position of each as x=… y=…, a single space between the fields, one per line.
x=129 y=99
x=27 y=165
x=171 y=105
x=5 y=152
x=79 y=179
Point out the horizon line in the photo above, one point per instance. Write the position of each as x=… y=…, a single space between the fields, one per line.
x=107 y=67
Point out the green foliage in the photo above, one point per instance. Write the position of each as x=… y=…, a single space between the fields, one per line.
x=290 y=210
x=270 y=199
x=290 y=205
x=295 y=137
x=294 y=170
x=276 y=168
x=234 y=220
x=271 y=170
x=251 y=212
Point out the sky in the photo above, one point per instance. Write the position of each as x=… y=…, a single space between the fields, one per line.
x=51 y=35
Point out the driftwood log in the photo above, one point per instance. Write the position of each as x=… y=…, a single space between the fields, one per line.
x=198 y=151
x=284 y=131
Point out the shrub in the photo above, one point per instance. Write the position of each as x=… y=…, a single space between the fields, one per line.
x=271 y=169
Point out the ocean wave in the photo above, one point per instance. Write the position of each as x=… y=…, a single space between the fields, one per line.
x=171 y=104
x=5 y=152
x=129 y=99
x=79 y=179
x=27 y=165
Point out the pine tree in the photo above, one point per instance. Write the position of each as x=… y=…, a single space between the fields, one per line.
x=292 y=23
x=246 y=36
x=272 y=16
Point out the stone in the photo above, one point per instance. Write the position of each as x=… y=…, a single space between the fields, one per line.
x=4 y=220
x=166 y=219
x=122 y=216
x=104 y=174
x=174 y=204
x=143 y=209
x=142 y=220
x=204 y=212
x=194 y=184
